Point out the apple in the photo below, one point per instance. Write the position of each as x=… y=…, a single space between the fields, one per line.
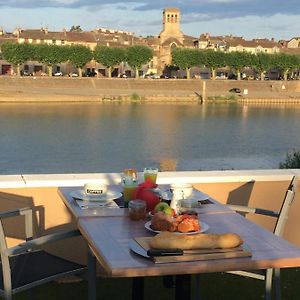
x=168 y=211
x=161 y=206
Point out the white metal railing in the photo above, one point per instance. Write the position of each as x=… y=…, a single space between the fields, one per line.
x=54 y=180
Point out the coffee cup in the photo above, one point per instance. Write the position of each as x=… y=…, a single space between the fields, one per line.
x=94 y=188
x=181 y=190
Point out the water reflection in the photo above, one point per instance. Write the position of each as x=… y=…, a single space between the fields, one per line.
x=67 y=138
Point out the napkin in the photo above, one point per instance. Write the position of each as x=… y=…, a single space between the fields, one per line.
x=144 y=192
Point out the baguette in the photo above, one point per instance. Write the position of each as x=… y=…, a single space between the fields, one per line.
x=168 y=240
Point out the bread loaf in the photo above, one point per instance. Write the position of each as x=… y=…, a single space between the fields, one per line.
x=168 y=240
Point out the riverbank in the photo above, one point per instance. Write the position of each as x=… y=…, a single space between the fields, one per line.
x=64 y=89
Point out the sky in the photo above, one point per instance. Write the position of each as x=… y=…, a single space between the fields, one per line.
x=278 y=19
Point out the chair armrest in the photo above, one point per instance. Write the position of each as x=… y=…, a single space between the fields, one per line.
x=35 y=243
x=15 y=212
x=259 y=211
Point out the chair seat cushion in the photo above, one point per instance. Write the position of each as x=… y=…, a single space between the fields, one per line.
x=39 y=265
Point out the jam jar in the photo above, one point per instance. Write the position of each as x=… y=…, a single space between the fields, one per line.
x=137 y=209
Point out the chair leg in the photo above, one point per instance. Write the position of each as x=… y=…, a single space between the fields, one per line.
x=268 y=284
x=91 y=276
x=137 y=288
x=183 y=287
x=277 y=283
x=197 y=287
x=168 y=281
x=7 y=295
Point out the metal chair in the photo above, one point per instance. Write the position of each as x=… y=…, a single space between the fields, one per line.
x=25 y=266
x=269 y=275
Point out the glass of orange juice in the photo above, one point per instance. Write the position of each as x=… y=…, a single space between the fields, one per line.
x=130 y=184
x=150 y=173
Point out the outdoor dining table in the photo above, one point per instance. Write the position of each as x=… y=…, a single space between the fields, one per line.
x=109 y=232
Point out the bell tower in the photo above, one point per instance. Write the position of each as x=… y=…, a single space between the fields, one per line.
x=171 y=25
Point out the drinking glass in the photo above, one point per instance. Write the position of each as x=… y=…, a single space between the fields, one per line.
x=130 y=173
x=130 y=184
x=150 y=173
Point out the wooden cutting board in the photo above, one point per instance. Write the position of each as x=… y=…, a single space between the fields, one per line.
x=195 y=255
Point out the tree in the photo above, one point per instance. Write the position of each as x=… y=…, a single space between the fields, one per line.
x=214 y=60
x=262 y=63
x=292 y=160
x=285 y=63
x=50 y=55
x=109 y=56
x=137 y=56
x=16 y=54
x=185 y=59
x=76 y=28
x=238 y=60
x=79 y=56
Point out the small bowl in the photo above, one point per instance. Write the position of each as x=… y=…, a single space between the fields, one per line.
x=95 y=189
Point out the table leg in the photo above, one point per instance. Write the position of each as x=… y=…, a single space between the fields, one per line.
x=137 y=288
x=183 y=287
x=91 y=275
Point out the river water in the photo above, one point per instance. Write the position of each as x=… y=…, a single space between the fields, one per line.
x=95 y=137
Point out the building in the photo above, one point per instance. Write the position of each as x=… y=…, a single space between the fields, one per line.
x=169 y=38
x=236 y=43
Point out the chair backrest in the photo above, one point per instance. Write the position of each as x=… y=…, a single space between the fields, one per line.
x=284 y=210
x=5 y=264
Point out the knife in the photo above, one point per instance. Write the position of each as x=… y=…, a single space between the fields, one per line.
x=164 y=252
x=138 y=249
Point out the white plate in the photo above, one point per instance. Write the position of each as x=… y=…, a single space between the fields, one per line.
x=196 y=195
x=109 y=196
x=204 y=227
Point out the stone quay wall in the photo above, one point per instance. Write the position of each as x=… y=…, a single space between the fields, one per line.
x=65 y=89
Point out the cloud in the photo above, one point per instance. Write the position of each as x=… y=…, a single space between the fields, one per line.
x=144 y=17
x=214 y=8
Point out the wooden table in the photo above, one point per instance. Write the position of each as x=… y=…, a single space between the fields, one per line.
x=109 y=236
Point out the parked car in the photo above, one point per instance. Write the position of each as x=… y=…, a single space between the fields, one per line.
x=152 y=76
x=232 y=77
x=73 y=74
x=235 y=90
x=91 y=74
x=163 y=76
x=25 y=73
x=58 y=74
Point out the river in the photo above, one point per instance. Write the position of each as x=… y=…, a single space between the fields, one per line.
x=95 y=137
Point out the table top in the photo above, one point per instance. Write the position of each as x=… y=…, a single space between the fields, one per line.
x=109 y=239
x=109 y=232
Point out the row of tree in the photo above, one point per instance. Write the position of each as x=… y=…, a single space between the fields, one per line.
x=77 y=55
x=187 y=58
x=139 y=55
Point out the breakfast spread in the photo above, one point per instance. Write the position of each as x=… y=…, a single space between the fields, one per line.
x=167 y=240
x=166 y=221
x=182 y=223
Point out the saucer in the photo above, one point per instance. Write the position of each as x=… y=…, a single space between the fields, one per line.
x=108 y=196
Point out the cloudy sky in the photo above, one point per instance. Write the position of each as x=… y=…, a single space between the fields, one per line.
x=277 y=19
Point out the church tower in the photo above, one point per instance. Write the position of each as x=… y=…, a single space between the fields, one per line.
x=170 y=37
x=171 y=25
